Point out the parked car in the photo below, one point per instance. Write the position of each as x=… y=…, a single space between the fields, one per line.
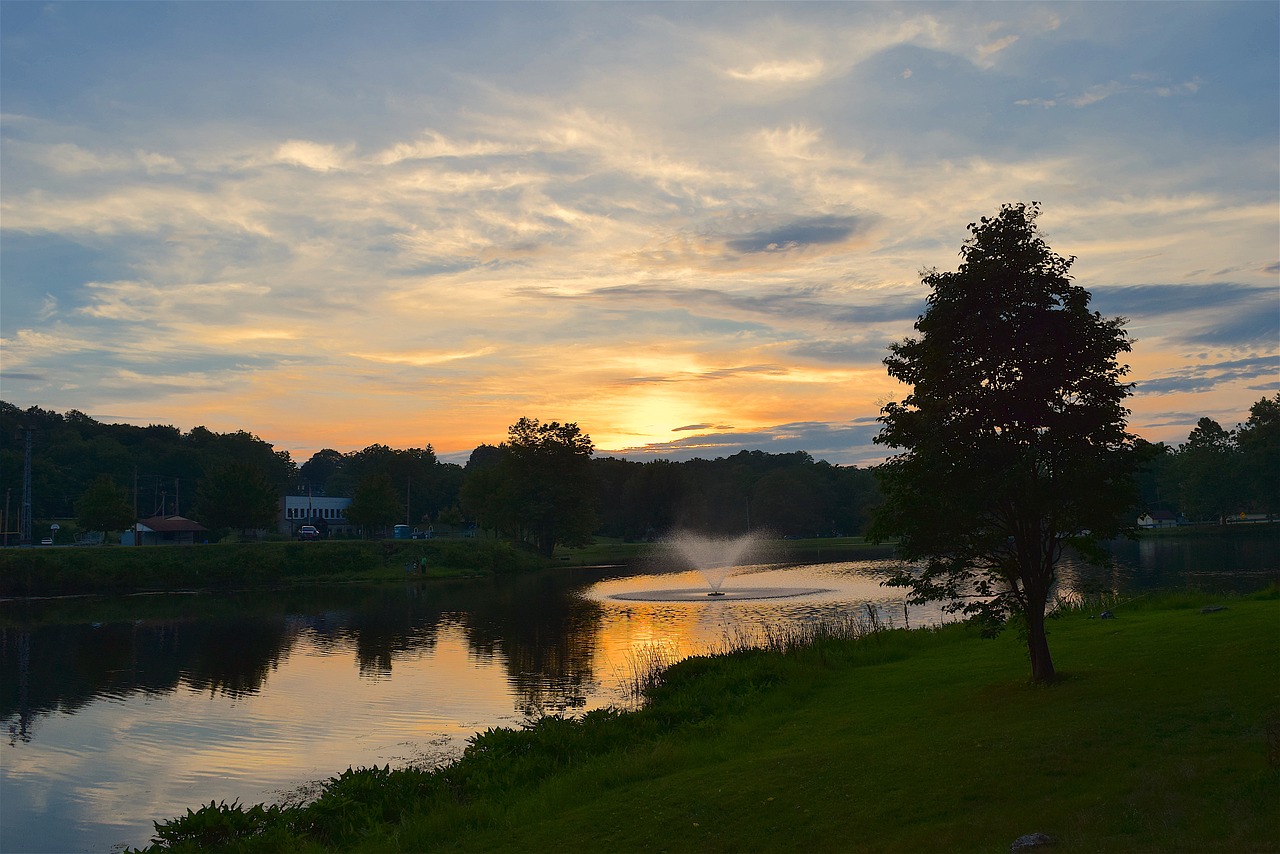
x=308 y=532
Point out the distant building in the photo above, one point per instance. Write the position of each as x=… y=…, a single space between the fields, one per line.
x=165 y=531
x=1158 y=519
x=327 y=513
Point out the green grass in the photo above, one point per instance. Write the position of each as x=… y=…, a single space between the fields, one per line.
x=1162 y=735
x=119 y=569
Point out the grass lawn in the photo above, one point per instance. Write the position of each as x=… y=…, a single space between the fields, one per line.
x=1162 y=735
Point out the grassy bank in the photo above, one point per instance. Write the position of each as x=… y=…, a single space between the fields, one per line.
x=1163 y=735
x=122 y=569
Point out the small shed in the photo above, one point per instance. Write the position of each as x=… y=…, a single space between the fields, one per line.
x=1158 y=519
x=165 y=531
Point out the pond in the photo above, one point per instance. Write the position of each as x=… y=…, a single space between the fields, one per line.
x=123 y=710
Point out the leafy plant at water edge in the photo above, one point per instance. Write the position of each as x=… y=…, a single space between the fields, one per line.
x=218 y=824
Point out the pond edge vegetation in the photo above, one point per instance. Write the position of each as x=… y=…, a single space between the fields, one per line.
x=857 y=737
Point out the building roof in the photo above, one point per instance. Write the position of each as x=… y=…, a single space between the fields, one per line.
x=167 y=524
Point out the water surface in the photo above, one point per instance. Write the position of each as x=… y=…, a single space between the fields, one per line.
x=123 y=710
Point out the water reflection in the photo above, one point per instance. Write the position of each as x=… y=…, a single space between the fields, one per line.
x=544 y=630
x=121 y=710
x=230 y=645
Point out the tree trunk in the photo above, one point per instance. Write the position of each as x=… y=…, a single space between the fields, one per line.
x=1042 y=671
x=546 y=544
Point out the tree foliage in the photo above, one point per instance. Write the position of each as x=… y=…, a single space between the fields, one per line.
x=375 y=503
x=161 y=462
x=538 y=488
x=238 y=495
x=1259 y=442
x=104 y=506
x=750 y=491
x=1013 y=437
x=427 y=487
x=1206 y=471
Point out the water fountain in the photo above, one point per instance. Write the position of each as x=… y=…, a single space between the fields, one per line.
x=716 y=558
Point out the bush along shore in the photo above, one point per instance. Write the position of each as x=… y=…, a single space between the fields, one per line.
x=126 y=569
x=1161 y=734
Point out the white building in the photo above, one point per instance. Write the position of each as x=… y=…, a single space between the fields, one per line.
x=323 y=511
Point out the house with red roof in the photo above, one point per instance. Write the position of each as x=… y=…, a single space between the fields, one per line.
x=165 y=531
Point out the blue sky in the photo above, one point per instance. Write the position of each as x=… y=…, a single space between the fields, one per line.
x=691 y=228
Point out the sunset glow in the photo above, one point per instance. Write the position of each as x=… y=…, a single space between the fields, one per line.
x=689 y=228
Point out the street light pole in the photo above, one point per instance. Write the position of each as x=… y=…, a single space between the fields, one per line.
x=24 y=518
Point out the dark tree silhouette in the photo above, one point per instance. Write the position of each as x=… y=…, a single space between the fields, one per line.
x=1259 y=443
x=239 y=496
x=1014 y=440
x=1207 y=467
x=104 y=506
x=538 y=487
x=375 y=504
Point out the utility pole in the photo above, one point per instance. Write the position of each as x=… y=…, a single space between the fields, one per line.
x=24 y=517
x=176 y=511
x=7 y=493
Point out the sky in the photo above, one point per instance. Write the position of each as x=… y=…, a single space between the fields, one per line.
x=690 y=228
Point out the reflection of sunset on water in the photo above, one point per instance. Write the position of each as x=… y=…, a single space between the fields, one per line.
x=642 y=631
x=296 y=688
x=130 y=760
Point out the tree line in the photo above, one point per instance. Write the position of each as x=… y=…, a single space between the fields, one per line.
x=1218 y=473
x=543 y=486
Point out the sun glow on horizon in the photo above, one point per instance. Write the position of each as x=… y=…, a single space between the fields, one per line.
x=689 y=243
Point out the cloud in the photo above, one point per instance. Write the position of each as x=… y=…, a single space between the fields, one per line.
x=591 y=217
x=852 y=352
x=1200 y=378
x=822 y=305
x=841 y=443
x=1137 y=84
x=425 y=357
x=312 y=155
x=814 y=231
x=433 y=144
x=1246 y=329
x=149 y=302
x=779 y=71
x=1215 y=314
x=1155 y=300
x=990 y=49
x=48 y=307
x=712 y=375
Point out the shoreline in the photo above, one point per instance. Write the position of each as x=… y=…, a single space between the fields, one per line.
x=763 y=749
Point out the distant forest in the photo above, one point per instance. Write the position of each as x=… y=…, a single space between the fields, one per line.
x=1215 y=475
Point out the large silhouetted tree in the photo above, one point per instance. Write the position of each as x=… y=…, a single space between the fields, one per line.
x=240 y=496
x=1207 y=470
x=1259 y=443
x=1013 y=439
x=375 y=504
x=537 y=487
x=104 y=506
